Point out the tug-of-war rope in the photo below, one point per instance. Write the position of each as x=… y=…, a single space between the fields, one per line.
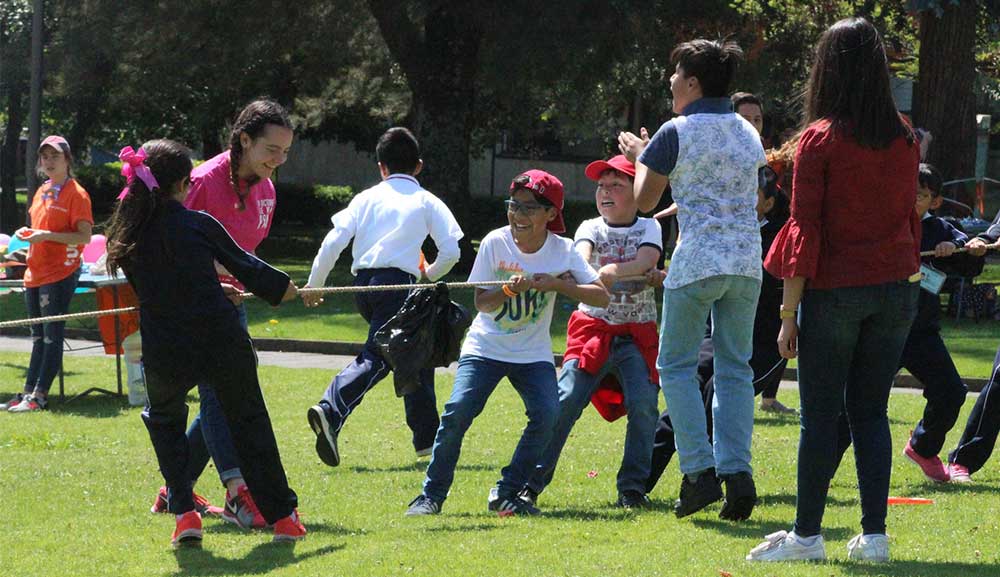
x=336 y=290
x=301 y=291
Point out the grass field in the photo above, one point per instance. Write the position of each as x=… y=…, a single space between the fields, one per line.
x=78 y=481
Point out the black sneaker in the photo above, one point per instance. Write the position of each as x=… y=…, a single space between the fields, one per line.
x=326 y=436
x=423 y=505
x=515 y=506
x=741 y=496
x=526 y=494
x=699 y=494
x=633 y=499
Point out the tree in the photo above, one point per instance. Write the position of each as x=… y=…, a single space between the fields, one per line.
x=15 y=27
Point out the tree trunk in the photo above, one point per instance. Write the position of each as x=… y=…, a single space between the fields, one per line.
x=9 y=168
x=944 y=100
x=440 y=62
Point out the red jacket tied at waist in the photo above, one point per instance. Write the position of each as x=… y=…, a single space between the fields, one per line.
x=588 y=340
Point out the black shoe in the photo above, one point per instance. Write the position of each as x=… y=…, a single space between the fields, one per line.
x=513 y=506
x=526 y=494
x=741 y=496
x=699 y=494
x=326 y=436
x=633 y=499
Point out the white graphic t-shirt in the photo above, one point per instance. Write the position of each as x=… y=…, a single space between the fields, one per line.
x=631 y=301
x=518 y=332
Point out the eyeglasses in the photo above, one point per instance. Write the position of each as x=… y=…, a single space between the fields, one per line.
x=527 y=209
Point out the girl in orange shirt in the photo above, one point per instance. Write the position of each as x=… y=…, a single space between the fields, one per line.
x=61 y=225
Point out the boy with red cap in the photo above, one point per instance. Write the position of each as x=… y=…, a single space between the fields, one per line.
x=618 y=341
x=510 y=338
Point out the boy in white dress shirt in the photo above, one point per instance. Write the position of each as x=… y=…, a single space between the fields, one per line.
x=388 y=222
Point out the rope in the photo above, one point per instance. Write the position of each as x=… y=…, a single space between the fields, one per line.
x=994 y=246
x=318 y=290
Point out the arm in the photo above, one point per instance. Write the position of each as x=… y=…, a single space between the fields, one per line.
x=649 y=187
x=644 y=260
x=446 y=232
x=593 y=294
x=260 y=278
x=489 y=300
x=788 y=336
x=84 y=229
x=344 y=227
x=654 y=159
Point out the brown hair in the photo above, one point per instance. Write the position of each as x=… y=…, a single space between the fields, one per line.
x=252 y=121
x=849 y=85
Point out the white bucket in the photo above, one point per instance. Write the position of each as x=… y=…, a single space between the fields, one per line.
x=132 y=347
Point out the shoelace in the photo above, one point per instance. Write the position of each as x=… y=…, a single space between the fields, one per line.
x=772 y=541
x=248 y=502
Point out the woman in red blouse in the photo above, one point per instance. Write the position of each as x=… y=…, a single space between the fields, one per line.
x=849 y=259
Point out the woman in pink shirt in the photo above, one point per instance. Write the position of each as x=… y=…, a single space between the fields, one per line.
x=235 y=187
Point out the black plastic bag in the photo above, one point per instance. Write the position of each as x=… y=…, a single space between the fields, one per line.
x=427 y=332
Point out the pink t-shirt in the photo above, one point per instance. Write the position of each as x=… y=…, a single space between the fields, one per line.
x=212 y=192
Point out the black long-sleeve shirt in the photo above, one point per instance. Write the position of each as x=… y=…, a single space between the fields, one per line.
x=184 y=313
x=934 y=231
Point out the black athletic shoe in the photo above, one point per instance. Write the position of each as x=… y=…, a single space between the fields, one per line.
x=514 y=506
x=699 y=494
x=526 y=494
x=741 y=496
x=326 y=436
x=633 y=499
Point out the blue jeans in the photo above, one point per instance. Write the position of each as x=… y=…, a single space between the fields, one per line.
x=47 y=338
x=641 y=395
x=732 y=301
x=475 y=381
x=850 y=342
x=209 y=435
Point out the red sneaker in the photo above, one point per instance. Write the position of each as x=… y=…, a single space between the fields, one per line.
x=187 y=533
x=932 y=467
x=201 y=505
x=289 y=528
x=242 y=511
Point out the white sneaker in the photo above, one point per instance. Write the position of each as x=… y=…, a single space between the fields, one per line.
x=785 y=546
x=874 y=547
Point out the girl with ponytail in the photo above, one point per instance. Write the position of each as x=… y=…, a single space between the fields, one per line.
x=191 y=332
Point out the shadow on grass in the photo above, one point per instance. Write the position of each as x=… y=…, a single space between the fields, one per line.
x=418 y=466
x=753 y=529
x=919 y=568
x=790 y=498
x=94 y=405
x=929 y=488
x=312 y=527
x=263 y=558
x=462 y=528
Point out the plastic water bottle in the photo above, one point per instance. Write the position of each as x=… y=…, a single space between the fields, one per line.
x=132 y=346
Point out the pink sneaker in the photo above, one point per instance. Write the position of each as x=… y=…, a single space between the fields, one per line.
x=959 y=473
x=932 y=467
x=201 y=505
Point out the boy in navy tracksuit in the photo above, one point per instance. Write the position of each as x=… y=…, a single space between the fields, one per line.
x=925 y=355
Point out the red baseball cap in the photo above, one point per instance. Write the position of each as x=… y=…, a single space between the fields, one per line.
x=546 y=186
x=619 y=163
x=57 y=142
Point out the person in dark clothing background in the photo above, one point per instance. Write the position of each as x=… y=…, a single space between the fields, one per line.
x=191 y=332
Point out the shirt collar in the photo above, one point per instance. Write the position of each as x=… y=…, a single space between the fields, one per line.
x=705 y=105
x=402 y=176
x=926 y=216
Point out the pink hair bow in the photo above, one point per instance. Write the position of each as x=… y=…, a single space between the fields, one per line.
x=133 y=165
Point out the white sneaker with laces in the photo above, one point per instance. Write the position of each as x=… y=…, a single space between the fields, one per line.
x=785 y=546
x=873 y=547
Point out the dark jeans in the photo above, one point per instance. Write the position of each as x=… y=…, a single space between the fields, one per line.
x=663 y=440
x=209 y=436
x=850 y=343
x=980 y=435
x=927 y=359
x=47 y=338
x=348 y=388
x=231 y=371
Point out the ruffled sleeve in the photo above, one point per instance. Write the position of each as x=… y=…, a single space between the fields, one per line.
x=796 y=250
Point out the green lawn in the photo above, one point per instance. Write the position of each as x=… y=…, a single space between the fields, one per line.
x=78 y=482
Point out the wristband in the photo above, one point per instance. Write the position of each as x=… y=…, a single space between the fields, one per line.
x=508 y=291
x=784 y=313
